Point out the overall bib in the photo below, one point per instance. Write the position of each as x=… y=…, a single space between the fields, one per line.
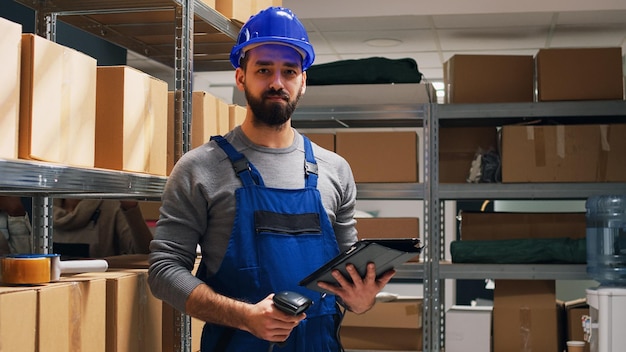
x=279 y=237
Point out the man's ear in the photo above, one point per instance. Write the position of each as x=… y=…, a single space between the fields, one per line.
x=303 y=90
x=240 y=78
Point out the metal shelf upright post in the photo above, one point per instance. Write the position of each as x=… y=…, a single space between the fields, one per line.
x=433 y=230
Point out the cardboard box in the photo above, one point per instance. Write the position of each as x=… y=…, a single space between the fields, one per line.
x=133 y=315
x=458 y=147
x=18 y=319
x=169 y=335
x=209 y=3
x=236 y=115
x=87 y=313
x=579 y=74
x=564 y=153
x=203 y=123
x=489 y=79
x=68 y=315
x=223 y=117
x=11 y=49
x=380 y=156
x=324 y=140
x=388 y=228
x=390 y=326
x=508 y=226
x=131 y=121
x=57 y=103
x=235 y=10
x=258 y=5
x=468 y=329
x=150 y=210
x=526 y=316
x=574 y=311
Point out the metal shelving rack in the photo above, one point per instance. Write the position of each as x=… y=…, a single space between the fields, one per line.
x=167 y=31
x=434 y=270
x=156 y=28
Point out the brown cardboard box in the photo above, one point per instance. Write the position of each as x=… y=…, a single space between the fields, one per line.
x=131 y=121
x=390 y=326
x=579 y=74
x=54 y=330
x=388 y=228
x=507 y=226
x=71 y=316
x=380 y=156
x=57 y=103
x=150 y=210
x=18 y=319
x=209 y=3
x=87 y=314
x=11 y=48
x=169 y=338
x=489 y=79
x=236 y=10
x=458 y=147
x=564 y=153
x=324 y=140
x=258 y=5
x=203 y=122
x=133 y=315
x=223 y=117
x=574 y=311
x=526 y=316
x=236 y=115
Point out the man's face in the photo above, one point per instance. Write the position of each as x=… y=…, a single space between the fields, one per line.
x=273 y=82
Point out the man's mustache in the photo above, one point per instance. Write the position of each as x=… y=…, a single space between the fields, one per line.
x=276 y=93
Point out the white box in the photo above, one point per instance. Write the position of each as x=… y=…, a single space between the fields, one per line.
x=468 y=329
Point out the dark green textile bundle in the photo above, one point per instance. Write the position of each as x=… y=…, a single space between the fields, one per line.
x=374 y=70
x=520 y=251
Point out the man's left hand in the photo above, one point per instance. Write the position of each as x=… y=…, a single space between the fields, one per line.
x=359 y=295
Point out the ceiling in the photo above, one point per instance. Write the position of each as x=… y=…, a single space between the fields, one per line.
x=431 y=32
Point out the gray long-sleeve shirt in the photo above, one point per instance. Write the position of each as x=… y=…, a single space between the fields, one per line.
x=198 y=206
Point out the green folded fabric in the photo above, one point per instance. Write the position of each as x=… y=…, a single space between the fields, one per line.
x=374 y=70
x=521 y=251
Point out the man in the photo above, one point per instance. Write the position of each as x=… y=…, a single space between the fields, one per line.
x=267 y=208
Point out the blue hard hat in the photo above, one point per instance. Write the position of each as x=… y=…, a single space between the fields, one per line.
x=274 y=25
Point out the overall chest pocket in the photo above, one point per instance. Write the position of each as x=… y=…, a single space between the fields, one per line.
x=267 y=222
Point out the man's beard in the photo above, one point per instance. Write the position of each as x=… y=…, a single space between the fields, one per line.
x=272 y=114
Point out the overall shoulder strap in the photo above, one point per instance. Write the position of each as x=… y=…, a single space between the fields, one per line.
x=244 y=169
x=310 y=165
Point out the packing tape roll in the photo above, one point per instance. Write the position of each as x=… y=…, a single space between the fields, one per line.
x=25 y=269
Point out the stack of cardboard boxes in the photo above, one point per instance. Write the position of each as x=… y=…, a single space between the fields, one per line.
x=112 y=311
x=58 y=106
x=526 y=314
x=539 y=153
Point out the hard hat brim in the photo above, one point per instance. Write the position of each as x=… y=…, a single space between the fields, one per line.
x=305 y=49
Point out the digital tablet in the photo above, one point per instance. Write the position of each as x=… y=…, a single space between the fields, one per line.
x=386 y=253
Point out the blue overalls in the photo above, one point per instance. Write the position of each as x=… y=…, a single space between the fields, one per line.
x=279 y=237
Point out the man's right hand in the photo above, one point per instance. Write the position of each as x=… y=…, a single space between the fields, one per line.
x=269 y=323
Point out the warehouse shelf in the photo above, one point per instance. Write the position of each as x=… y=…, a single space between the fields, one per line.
x=447 y=270
x=34 y=177
x=148 y=27
x=602 y=111
x=397 y=115
x=398 y=191
x=502 y=191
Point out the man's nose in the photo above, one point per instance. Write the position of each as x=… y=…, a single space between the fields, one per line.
x=277 y=81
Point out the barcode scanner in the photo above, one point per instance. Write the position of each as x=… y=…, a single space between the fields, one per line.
x=291 y=303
